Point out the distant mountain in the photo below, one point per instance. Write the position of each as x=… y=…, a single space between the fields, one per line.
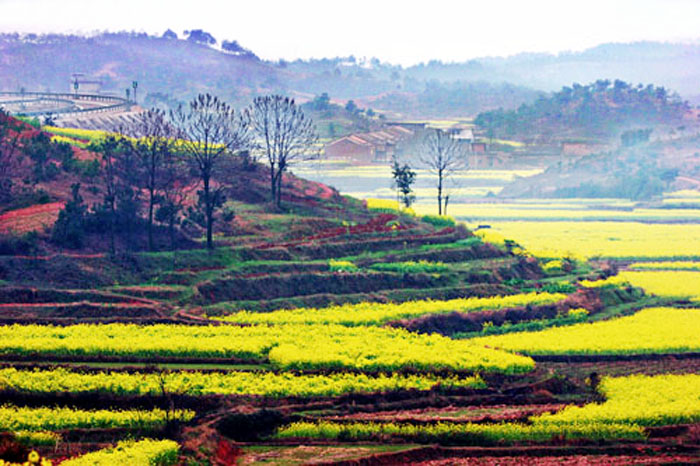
x=674 y=66
x=171 y=70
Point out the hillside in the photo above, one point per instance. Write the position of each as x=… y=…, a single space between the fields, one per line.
x=639 y=171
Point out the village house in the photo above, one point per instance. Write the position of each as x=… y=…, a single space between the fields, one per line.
x=578 y=148
x=373 y=147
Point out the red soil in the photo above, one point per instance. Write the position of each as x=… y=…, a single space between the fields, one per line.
x=31 y=218
x=582 y=460
x=466 y=414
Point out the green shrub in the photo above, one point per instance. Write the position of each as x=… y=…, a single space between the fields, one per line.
x=69 y=229
x=421 y=266
x=439 y=221
x=11 y=245
x=341 y=266
x=553 y=266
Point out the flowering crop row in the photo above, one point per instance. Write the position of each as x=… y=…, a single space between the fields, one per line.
x=386 y=205
x=146 y=452
x=637 y=399
x=366 y=313
x=96 y=135
x=75 y=133
x=652 y=330
x=460 y=433
x=631 y=403
x=286 y=346
x=15 y=418
x=226 y=383
x=71 y=141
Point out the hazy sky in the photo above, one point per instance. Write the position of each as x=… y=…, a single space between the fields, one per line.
x=402 y=32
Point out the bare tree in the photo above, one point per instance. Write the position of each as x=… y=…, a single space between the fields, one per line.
x=177 y=186
x=443 y=155
x=210 y=130
x=153 y=143
x=283 y=134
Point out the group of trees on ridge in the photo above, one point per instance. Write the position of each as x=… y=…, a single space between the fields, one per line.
x=155 y=163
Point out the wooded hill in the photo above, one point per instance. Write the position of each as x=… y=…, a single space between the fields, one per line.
x=599 y=109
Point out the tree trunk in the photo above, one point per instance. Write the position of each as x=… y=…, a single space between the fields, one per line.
x=279 y=190
x=171 y=228
x=113 y=221
x=208 y=211
x=151 y=202
x=439 y=196
x=273 y=183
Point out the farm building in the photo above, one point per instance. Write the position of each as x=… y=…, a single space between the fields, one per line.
x=478 y=147
x=376 y=146
x=465 y=135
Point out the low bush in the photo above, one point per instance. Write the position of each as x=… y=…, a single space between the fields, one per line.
x=244 y=427
x=439 y=221
x=12 y=245
x=341 y=266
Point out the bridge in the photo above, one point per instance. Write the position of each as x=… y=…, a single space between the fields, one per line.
x=62 y=105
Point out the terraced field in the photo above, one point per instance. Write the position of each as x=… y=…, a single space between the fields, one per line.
x=378 y=337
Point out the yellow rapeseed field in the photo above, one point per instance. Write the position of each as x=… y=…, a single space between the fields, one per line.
x=637 y=399
x=286 y=346
x=145 y=452
x=604 y=239
x=652 y=330
x=669 y=284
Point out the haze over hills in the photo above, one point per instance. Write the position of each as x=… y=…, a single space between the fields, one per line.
x=172 y=69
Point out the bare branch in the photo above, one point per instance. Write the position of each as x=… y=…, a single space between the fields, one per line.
x=209 y=130
x=283 y=134
x=442 y=155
